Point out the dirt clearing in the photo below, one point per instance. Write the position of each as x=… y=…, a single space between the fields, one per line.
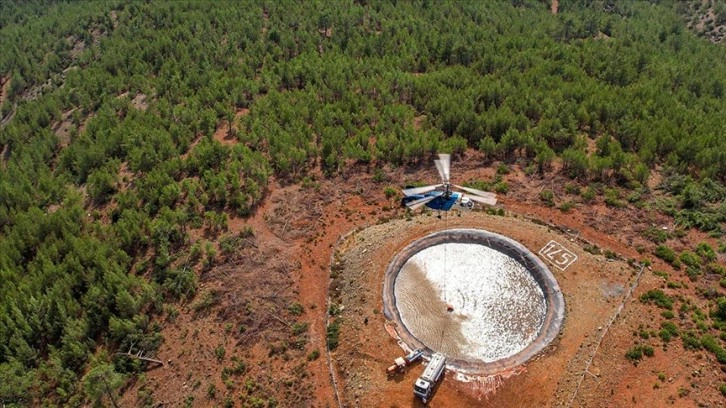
x=591 y=287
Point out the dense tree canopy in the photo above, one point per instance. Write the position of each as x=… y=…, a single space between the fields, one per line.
x=108 y=151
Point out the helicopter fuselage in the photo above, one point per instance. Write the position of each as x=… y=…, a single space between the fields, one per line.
x=444 y=200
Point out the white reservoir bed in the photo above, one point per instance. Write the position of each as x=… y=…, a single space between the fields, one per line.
x=469 y=301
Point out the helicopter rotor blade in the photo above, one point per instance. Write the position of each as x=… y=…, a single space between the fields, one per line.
x=474 y=191
x=420 y=190
x=483 y=200
x=443 y=165
x=414 y=205
x=440 y=168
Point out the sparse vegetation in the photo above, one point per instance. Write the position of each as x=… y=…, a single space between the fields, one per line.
x=668 y=331
x=313 y=355
x=219 y=353
x=657 y=235
x=636 y=352
x=299 y=328
x=548 y=197
x=658 y=297
x=711 y=344
x=566 y=206
x=390 y=192
x=593 y=249
x=296 y=309
x=665 y=253
x=333 y=334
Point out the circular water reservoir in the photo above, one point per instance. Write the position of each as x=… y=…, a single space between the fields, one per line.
x=481 y=299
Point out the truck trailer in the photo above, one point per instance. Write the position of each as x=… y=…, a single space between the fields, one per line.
x=400 y=363
x=432 y=374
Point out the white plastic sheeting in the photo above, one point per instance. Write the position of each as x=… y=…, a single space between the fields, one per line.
x=469 y=301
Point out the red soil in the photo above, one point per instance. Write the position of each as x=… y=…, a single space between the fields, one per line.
x=296 y=230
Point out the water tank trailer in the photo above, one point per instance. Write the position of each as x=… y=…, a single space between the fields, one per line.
x=431 y=375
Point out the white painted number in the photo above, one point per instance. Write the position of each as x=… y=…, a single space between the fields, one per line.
x=560 y=256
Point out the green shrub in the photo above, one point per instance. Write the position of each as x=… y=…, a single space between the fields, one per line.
x=693 y=273
x=610 y=254
x=690 y=259
x=658 y=297
x=501 y=188
x=308 y=182
x=711 y=344
x=635 y=196
x=593 y=249
x=333 y=334
x=313 y=355
x=706 y=252
x=571 y=188
x=612 y=198
x=503 y=169
x=657 y=235
x=720 y=312
x=670 y=327
x=665 y=253
x=181 y=283
x=228 y=244
x=390 y=192
x=246 y=232
x=219 y=353
x=634 y=354
x=668 y=331
x=690 y=341
x=567 y=206
x=239 y=366
x=299 y=328
x=714 y=268
x=205 y=301
x=296 y=309
x=334 y=309
x=644 y=334
x=548 y=197
x=379 y=175
x=588 y=194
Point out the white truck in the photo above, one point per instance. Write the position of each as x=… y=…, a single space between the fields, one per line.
x=431 y=375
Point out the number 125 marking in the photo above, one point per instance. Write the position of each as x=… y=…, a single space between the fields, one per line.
x=560 y=256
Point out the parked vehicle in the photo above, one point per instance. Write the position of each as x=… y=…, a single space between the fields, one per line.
x=432 y=374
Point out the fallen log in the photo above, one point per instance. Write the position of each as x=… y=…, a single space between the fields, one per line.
x=139 y=356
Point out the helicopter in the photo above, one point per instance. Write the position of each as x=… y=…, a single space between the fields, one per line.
x=441 y=197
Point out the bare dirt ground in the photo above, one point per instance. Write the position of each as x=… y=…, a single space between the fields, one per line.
x=4 y=92
x=242 y=311
x=590 y=286
x=701 y=18
x=4 y=88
